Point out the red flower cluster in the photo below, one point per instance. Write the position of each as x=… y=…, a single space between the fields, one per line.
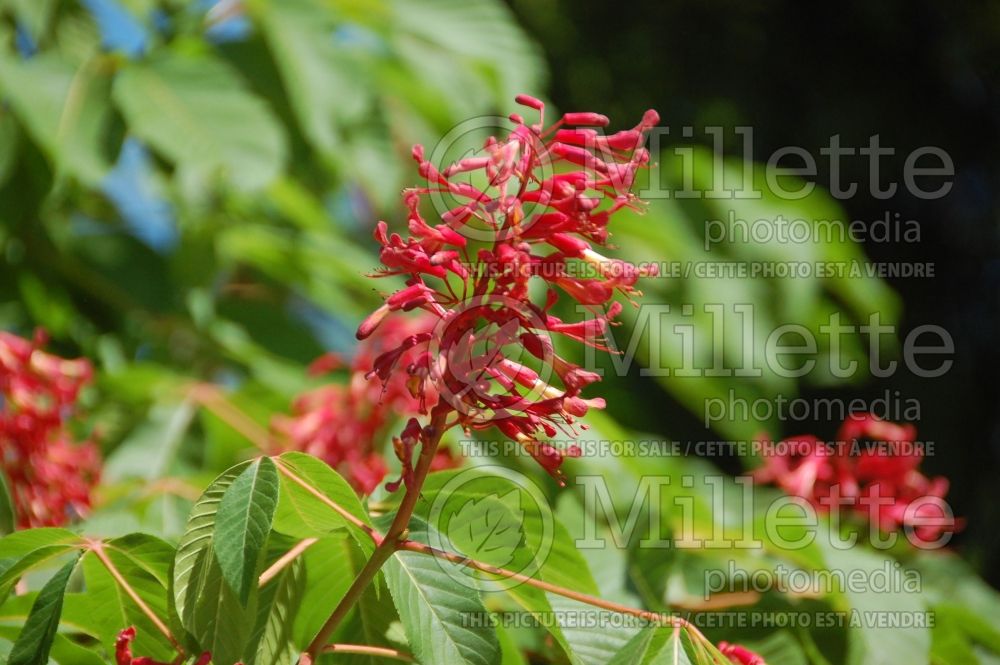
x=50 y=475
x=123 y=652
x=529 y=209
x=343 y=424
x=740 y=655
x=872 y=460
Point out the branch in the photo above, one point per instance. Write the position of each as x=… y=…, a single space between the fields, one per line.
x=286 y=559
x=385 y=547
x=210 y=397
x=653 y=617
x=343 y=512
x=369 y=651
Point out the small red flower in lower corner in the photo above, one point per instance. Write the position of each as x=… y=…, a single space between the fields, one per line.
x=123 y=652
x=740 y=655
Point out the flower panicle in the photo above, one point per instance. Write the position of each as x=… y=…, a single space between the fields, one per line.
x=532 y=207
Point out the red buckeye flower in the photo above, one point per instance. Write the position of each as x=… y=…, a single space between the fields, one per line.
x=529 y=209
x=123 y=652
x=740 y=655
x=51 y=475
x=872 y=468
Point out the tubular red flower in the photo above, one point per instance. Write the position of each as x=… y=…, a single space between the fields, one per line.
x=586 y=118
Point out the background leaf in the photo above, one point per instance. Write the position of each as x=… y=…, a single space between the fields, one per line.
x=197 y=113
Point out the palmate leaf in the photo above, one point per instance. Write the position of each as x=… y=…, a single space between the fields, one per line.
x=208 y=608
x=196 y=112
x=445 y=621
x=243 y=524
x=35 y=641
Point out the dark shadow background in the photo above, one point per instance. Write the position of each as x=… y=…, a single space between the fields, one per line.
x=915 y=73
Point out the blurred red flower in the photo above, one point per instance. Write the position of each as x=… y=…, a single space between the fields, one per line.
x=871 y=468
x=50 y=474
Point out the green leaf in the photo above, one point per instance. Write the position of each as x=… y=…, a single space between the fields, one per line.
x=152 y=446
x=25 y=550
x=278 y=605
x=324 y=89
x=780 y=648
x=303 y=515
x=76 y=618
x=66 y=108
x=586 y=645
x=466 y=39
x=144 y=562
x=668 y=645
x=445 y=622
x=547 y=552
x=243 y=524
x=208 y=608
x=34 y=14
x=871 y=643
x=7 y=518
x=511 y=652
x=64 y=651
x=196 y=112
x=35 y=641
x=111 y=608
x=149 y=553
x=330 y=570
